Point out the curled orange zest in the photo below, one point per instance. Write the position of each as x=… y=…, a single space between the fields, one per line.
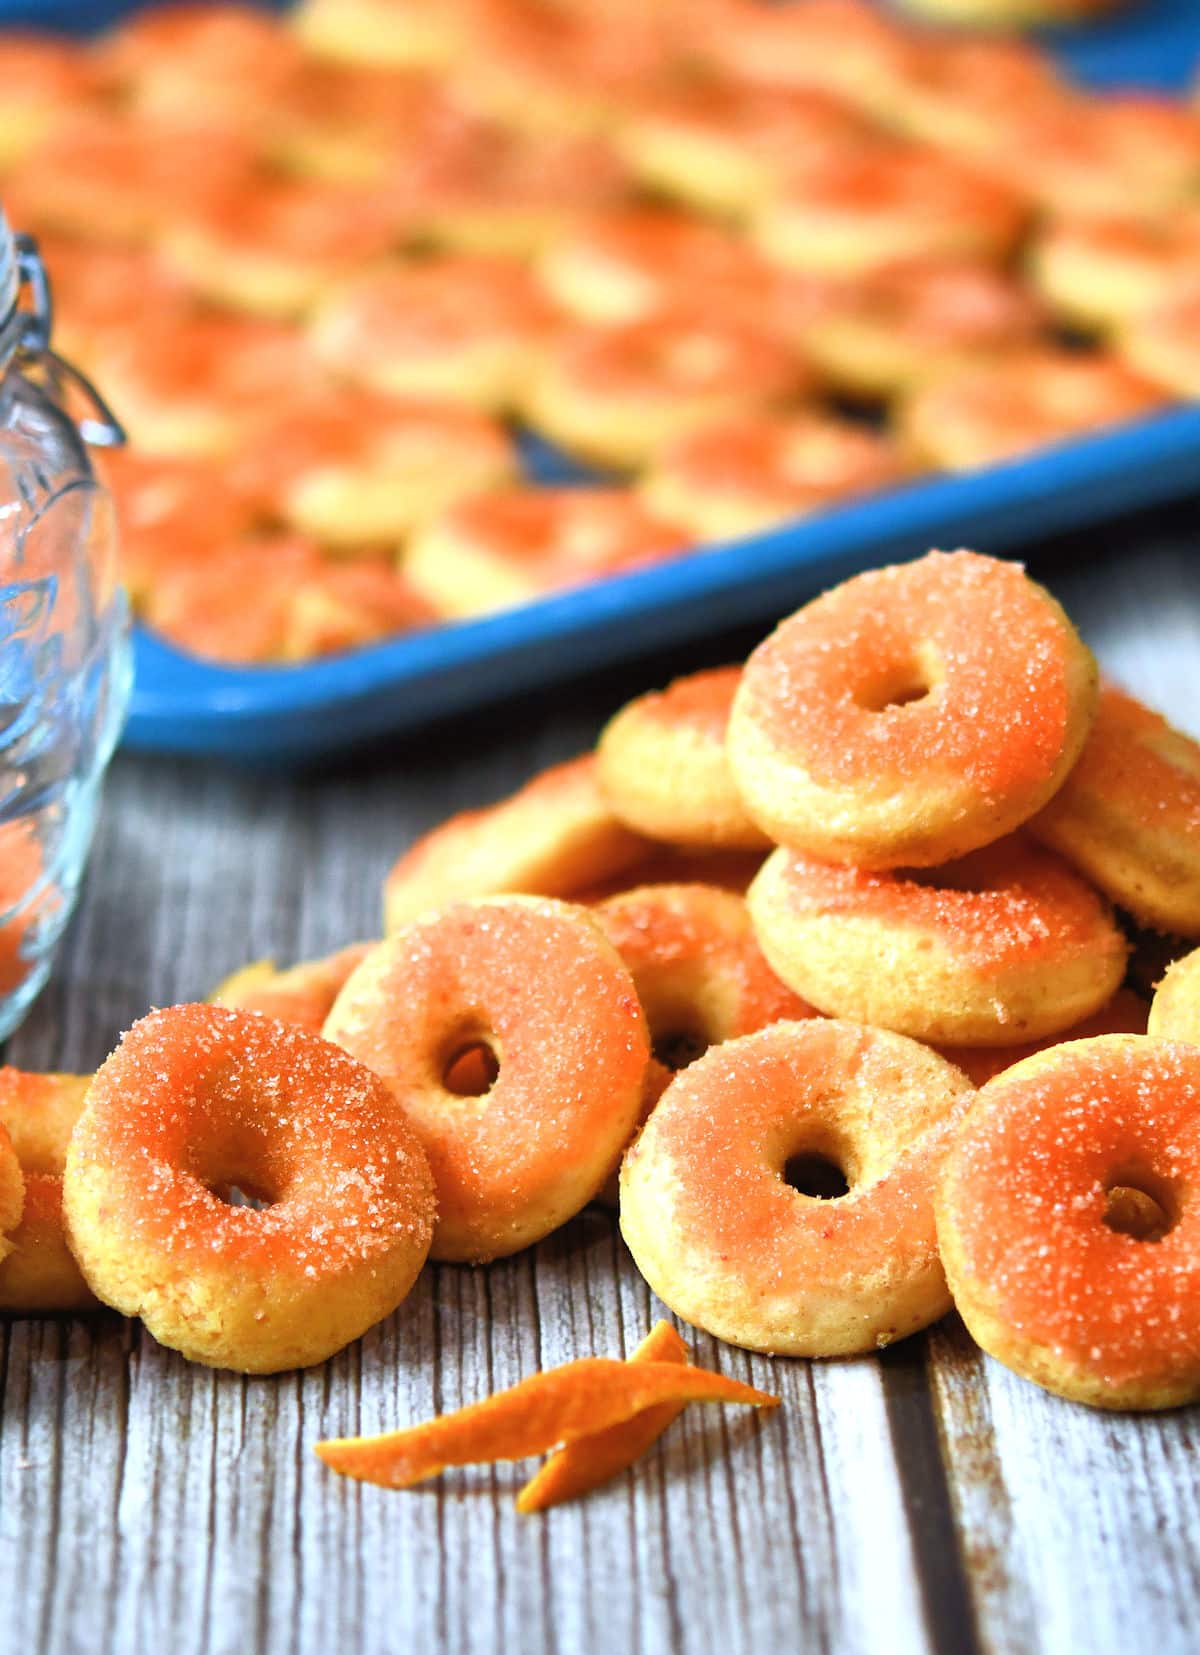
x=589 y=1461
x=541 y=1412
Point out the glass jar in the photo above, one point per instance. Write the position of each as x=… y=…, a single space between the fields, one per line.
x=65 y=665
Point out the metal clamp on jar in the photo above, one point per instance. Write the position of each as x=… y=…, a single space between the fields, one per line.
x=65 y=666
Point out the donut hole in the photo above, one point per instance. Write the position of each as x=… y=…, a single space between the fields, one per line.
x=679 y=1041
x=820 y=1177
x=470 y=1068
x=897 y=686
x=234 y=1164
x=1139 y=1205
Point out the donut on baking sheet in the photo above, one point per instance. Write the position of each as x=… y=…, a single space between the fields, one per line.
x=42 y=82
x=555 y=836
x=661 y=764
x=756 y=471
x=912 y=713
x=1128 y=815
x=510 y=546
x=780 y=1196
x=957 y=87
x=1159 y=342
x=391 y=33
x=39 y=1111
x=364 y=126
x=616 y=396
x=1101 y=274
x=12 y=1194
x=536 y=984
x=198 y=1100
x=987 y=412
x=1068 y=1221
x=1003 y=945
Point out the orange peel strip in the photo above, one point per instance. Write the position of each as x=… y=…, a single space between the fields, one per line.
x=547 y=1409
x=589 y=1461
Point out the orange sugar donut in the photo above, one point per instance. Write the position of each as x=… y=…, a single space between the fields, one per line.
x=755 y=471
x=720 y=146
x=197 y=1100
x=302 y=996
x=12 y=1194
x=1002 y=945
x=1009 y=14
x=395 y=33
x=102 y=293
x=39 y=1112
x=1128 y=815
x=1175 y=1009
x=661 y=764
x=1103 y=273
x=1068 y=1221
x=362 y=126
x=354 y=469
x=1125 y=1013
x=511 y=546
x=200 y=605
x=912 y=713
x=957 y=86
x=874 y=206
x=536 y=984
x=348 y=605
x=1160 y=342
x=645 y=262
x=618 y=395
x=896 y=327
x=721 y=1194
x=845 y=46
x=172 y=513
x=42 y=80
x=459 y=328
x=555 y=836
x=699 y=972
x=990 y=411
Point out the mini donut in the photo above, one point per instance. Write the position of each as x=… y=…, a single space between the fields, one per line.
x=698 y=969
x=661 y=764
x=874 y=206
x=353 y=469
x=1068 y=1223
x=956 y=87
x=458 y=328
x=39 y=1112
x=42 y=80
x=995 y=410
x=12 y=1195
x=555 y=836
x=1125 y=1013
x=395 y=33
x=1128 y=815
x=1175 y=1009
x=512 y=546
x=197 y=1100
x=101 y=293
x=112 y=177
x=644 y=263
x=720 y=146
x=302 y=996
x=1101 y=274
x=366 y=127
x=537 y=984
x=617 y=395
x=348 y=605
x=200 y=605
x=1003 y=945
x=1160 y=342
x=748 y=474
x=895 y=328
x=912 y=713
x=732 y=1246
x=849 y=47
x=274 y=247
x=172 y=513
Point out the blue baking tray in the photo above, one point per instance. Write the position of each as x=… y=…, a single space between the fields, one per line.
x=293 y=714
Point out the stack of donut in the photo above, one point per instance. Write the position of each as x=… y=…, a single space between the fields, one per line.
x=819 y=955
x=740 y=261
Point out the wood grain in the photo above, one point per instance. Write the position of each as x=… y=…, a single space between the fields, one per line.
x=928 y=1500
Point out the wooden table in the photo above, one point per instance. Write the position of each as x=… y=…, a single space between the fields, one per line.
x=924 y=1499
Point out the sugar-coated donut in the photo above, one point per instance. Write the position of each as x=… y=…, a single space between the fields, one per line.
x=956 y=87
x=1128 y=815
x=39 y=1112
x=1005 y=944
x=912 y=713
x=201 y=1099
x=12 y=1194
x=697 y=966
x=1015 y=14
x=555 y=836
x=41 y=81
x=1069 y=1224
x=661 y=763
x=1160 y=342
x=348 y=604
x=1125 y=1013
x=535 y=983
x=375 y=32
x=986 y=412
x=617 y=395
x=375 y=127
x=744 y=475
x=303 y=995
x=735 y=1246
x=860 y=209
x=845 y=46
x=462 y=328
x=172 y=513
x=102 y=292
x=1102 y=273
x=1175 y=1009
x=510 y=546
